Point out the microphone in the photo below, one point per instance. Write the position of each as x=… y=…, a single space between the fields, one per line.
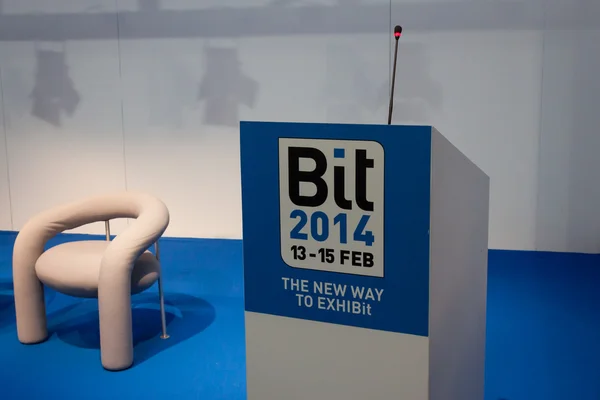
x=397 y=34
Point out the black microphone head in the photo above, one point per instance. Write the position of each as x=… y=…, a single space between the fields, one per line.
x=397 y=31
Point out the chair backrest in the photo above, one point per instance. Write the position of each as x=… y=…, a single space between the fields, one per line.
x=151 y=220
x=102 y=208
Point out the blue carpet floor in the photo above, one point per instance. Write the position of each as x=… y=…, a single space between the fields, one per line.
x=543 y=331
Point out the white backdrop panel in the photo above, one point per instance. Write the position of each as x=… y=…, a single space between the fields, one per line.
x=63 y=119
x=473 y=69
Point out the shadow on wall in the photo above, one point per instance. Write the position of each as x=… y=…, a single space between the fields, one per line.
x=352 y=94
x=349 y=90
x=420 y=95
x=53 y=94
x=224 y=87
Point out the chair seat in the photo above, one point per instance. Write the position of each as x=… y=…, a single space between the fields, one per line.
x=73 y=268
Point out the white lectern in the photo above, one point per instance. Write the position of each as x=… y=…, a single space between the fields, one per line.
x=365 y=263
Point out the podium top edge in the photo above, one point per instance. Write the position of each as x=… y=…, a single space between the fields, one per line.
x=331 y=124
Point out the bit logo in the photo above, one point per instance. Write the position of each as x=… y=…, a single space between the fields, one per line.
x=332 y=205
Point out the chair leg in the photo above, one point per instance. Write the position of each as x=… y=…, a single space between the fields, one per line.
x=161 y=297
x=115 y=312
x=30 y=307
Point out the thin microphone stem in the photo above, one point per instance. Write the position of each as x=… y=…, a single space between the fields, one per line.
x=393 y=84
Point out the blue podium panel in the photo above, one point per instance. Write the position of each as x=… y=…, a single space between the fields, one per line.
x=336 y=223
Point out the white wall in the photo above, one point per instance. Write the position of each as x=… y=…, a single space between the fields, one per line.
x=569 y=188
x=473 y=69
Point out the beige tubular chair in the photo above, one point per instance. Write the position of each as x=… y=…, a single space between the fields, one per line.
x=112 y=271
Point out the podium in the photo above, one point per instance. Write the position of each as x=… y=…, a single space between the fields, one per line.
x=365 y=263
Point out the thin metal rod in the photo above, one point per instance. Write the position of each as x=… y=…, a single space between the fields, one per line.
x=391 y=109
x=107 y=228
x=161 y=296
